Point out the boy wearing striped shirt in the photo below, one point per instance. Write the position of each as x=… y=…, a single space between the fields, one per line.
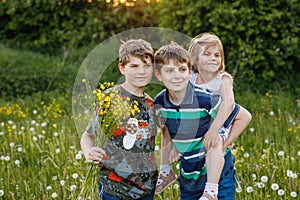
x=185 y=114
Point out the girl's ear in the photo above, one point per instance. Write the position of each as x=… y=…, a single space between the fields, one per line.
x=121 y=68
x=157 y=75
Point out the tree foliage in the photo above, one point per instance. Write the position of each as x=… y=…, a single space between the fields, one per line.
x=260 y=38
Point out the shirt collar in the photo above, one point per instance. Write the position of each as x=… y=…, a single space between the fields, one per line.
x=188 y=98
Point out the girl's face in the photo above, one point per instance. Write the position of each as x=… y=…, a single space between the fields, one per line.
x=210 y=58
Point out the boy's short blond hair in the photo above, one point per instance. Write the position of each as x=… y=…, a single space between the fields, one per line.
x=137 y=48
x=196 y=46
x=172 y=51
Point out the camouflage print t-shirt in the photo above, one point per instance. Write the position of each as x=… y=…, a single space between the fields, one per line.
x=130 y=171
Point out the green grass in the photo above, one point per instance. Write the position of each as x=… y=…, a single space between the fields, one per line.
x=41 y=156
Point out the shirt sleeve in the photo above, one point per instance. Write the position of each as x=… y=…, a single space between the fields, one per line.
x=232 y=116
x=93 y=126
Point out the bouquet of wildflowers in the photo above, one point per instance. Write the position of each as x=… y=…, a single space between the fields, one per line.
x=112 y=110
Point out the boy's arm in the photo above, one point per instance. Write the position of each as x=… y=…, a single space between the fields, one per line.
x=238 y=126
x=225 y=109
x=91 y=153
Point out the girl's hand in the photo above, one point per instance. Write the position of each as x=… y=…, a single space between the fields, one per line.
x=95 y=155
x=211 y=139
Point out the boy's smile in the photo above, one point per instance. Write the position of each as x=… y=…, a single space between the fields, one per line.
x=175 y=76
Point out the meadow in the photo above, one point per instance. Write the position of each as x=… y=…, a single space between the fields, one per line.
x=41 y=156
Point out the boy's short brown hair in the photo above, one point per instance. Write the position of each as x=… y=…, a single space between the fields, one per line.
x=172 y=51
x=137 y=48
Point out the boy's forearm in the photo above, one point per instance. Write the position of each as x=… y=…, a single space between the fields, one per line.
x=166 y=146
x=87 y=141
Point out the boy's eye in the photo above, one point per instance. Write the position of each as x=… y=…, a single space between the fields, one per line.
x=183 y=69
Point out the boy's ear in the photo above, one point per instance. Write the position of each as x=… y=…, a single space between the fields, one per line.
x=157 y=75
x=121 y=68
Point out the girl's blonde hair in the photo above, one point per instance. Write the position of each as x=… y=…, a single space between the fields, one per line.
x=196 y=47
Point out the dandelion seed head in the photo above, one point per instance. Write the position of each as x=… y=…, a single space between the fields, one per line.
x=252 y=129
x=53 y=195
x=75 y=175
x=2 y=133
x=264 y=179
x=280 y=192
x=254 y=176
x=281 y=153
x=294 y=175
x=33 y=122
x=10 y=122
x=7 y=158
x=238 y=189
x=49 y=187
x=289 y=173
x=293 y=194
x=177 y=166
x=62 y=182
x=57 y=151
x=17 y=162
x=34 y=138
x=271 y=113
x=11 y=144
x=260 y=185
x=298 y=153
x=246 y=155
x=73 y=187
x=78 y=156
x=156 y=148
x=1 y=193
x=19 y=149
x=249 y=189
x=34 y=112
x=176 y=186
x=274 y=186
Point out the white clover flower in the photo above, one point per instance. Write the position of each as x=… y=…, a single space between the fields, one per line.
x=73 y=187
x=7 y=158
x=264 y=179
x=57 y=151
x=78 y=156
x=75 y=175
x=271 y=113
x=293 y=194
x=274 y=186
x=252 y=129
x=156 y=148
x=176 y=186
x=249 y=189
x=62 y=182
x=55 y=134
x=19 y=149
x=49 y=188
x=281 y=153
x=246 y=155
x=280 y=192
x=17 y=162
x=34 y=112
x=54 y=195
x=1 y=193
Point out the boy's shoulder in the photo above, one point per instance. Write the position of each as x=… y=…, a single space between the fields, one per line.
x=159 y=97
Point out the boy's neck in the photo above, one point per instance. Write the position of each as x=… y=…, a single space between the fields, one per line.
x=137 y=91
x=176 y=98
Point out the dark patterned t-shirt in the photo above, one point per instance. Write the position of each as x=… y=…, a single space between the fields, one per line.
x=129 y=170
